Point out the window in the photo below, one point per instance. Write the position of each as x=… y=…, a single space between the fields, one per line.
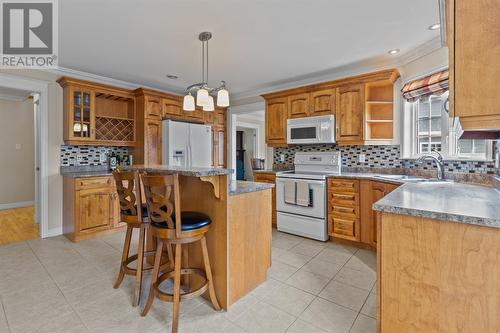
x=434 y=130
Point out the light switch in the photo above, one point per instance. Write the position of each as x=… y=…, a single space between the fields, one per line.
x=282 y=158
x=103 y=157
x=19 y=146
x=362 y=158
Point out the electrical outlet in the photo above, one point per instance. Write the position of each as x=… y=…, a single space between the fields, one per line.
x=282 y=158
x=362 y=158
x=103 y=157
x=79 y=159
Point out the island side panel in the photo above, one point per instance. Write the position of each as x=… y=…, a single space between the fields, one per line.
x=250 y=232
x=438 y=276
x=198 y=195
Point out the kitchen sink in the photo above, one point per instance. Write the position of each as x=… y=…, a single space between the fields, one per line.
x=401 y=177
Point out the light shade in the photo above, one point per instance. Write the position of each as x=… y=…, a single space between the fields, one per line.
x=223 y=98
x=188 y=104
x=210 y=105
x=202 y=97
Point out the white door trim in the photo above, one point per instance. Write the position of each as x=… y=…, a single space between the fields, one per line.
x=41 y=87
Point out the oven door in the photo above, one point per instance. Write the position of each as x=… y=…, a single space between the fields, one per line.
x=302 y=133
x=317 y=197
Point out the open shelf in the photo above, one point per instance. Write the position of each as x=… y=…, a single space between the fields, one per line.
x=114 y=117
x=379 y=111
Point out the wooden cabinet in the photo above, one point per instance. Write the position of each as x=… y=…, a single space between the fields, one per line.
x=473 y=40
x=152 y=142
x=96 y=114
x=343 y=209
x=350 y=213
x=371 y=192
x=79 y=114
x=219 y=147
x=345 y=98
x=276 y=116
x=153 y=107
x=298 y=106
x=90 y=207
x=322 y=102
x=269 y=178
x=350 y=114
x=171 y=107
x=195 y=116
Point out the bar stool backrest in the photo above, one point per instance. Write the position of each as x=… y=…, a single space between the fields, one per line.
x=129 y=201
x=158 y=191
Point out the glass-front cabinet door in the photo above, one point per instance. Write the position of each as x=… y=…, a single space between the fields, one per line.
x=82 y=115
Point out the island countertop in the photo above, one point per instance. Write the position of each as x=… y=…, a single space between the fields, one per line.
x=181 y=170
x=447 y=201
x=239 y=187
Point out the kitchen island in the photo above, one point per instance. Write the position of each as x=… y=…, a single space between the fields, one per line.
x=239 y=238
x=438 y=258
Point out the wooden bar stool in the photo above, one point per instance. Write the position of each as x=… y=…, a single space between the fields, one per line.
x=171 y=226
x=136 y=217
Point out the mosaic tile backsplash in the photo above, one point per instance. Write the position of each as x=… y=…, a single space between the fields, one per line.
x=89 y=155
x=383 y=157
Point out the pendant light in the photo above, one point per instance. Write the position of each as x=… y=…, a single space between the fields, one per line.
x=205 y=94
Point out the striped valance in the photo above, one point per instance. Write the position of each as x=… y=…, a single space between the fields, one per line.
x=434 y=84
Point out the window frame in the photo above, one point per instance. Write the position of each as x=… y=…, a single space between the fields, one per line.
x=449 y=139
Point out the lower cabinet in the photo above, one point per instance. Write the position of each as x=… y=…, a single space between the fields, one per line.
x=350 y=213
x=90 y=206
x=269 y=178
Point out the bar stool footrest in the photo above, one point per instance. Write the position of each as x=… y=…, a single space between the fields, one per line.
x=164 y=296
x=133 y=271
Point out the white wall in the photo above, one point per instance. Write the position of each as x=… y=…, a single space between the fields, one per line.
x=55 y=139
x=17 y=176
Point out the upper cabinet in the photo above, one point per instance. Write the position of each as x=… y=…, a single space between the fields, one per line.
x=350 y=110
x=474 y=42
x=298 y=106
x=276 y=116
x=96 y=114
x=171 y=107
x=322 y=102
x=363 y=106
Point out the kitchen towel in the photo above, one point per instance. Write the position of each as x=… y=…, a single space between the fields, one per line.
x=289 y=192
x=303 y=194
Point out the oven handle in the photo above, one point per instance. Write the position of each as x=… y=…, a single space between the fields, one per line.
x=315 y=182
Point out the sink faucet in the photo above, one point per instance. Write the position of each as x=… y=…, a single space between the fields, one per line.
x=438 y=160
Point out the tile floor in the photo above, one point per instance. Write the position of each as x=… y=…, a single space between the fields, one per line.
x=54 y=285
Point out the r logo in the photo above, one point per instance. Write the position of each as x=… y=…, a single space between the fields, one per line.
x=27 y=28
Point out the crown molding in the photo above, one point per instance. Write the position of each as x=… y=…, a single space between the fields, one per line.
x=420 y=51
x=356 y=68
x=13 y=98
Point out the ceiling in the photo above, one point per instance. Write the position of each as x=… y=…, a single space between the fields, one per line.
x=14 y=95
x=256 y=44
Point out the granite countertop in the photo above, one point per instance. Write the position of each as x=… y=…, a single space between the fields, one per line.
x=381 y=177
x=239 y=187
x=447 y=201
x=85 y=171
x=183 y=171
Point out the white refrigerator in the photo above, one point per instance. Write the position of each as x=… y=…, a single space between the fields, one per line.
x=186 y=144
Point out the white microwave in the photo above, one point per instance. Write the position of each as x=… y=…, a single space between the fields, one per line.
x=309 y=130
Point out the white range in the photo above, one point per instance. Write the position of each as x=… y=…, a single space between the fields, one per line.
x=301 y=198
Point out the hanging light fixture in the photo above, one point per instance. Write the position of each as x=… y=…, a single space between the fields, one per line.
x=205 y=94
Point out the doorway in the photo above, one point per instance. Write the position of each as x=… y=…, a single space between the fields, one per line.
x=19 y=212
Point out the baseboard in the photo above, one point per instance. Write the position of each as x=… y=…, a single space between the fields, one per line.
x=53 y=232
x=17 y=205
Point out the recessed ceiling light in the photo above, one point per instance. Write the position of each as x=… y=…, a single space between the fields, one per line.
x=434 y=26
x=172 y=77
x=394 y=51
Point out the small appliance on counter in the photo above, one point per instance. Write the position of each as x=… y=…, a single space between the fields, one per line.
x=301 y=198
x=258 y=163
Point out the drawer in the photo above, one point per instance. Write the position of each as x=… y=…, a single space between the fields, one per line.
x=343 y=199
x=344 y=227
x=343 y=185
x=93 y=182
x=264 y=177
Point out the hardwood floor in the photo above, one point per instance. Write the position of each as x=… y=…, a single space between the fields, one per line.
x=18 y=224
